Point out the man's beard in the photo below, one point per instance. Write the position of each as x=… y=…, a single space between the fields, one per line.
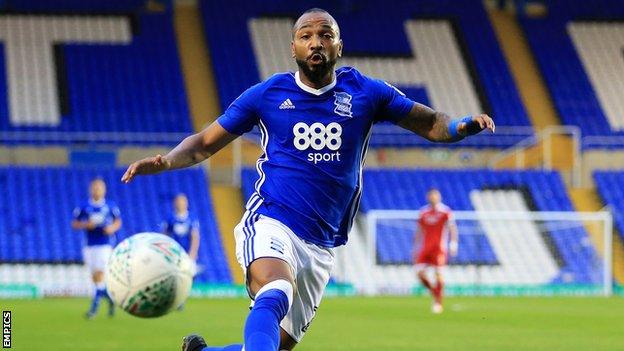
x=317 y=74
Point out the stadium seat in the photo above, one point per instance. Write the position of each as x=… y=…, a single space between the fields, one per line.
x=111 y=87
x=386 y=38
x=564 y=248
x=560 y=41
x=35 y=222
x=72 y=5
x=609 y=185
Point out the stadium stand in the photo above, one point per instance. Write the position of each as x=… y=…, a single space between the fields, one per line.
x=609 y=185
x=105 y=82
x=72 y=5
x=390 y=38
x=567 y=255
x=462 y=190
x=578 y=49
x=35 y=220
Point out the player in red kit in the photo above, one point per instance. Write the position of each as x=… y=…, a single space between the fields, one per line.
x=435 y=222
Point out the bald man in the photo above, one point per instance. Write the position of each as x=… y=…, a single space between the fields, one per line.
x=315 y=126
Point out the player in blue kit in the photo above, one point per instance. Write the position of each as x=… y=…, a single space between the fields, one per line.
x=183 y=227
x=100 y=219
x=315 y=126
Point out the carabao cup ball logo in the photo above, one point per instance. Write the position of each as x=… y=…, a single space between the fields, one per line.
x=148 y=274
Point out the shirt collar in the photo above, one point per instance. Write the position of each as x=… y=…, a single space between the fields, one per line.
x=98 y=203
x=311 y=90
x=181 y=216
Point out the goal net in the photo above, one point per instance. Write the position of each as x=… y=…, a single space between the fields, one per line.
x=499 y=253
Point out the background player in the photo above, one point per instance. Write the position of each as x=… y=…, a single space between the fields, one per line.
x=435 y=222
x=100 y=219
x=316 y=124
x=183 y=227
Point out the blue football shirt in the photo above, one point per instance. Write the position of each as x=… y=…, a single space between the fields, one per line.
x=179 y=227
x=102 y=213
x=314 y=143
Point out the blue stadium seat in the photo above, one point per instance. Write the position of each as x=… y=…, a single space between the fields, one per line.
x=609 y=185
x=403 y=189
x=72 y=5
x=571 y=90
x=120 y=88
x=35 y=218
x=236 y=67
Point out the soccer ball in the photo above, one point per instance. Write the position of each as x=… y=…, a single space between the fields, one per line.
x=149 y=274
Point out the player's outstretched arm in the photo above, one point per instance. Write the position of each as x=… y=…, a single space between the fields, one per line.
x=192 y=150
x=439 y=127
x=81 y=225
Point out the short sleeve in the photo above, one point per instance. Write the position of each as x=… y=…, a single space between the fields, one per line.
x=450 y=217
x=115 y=212
x=242 y=114
x=195 y=224
x=164 y=227
x=392 y=104
x=420 y=217
x=79 y=214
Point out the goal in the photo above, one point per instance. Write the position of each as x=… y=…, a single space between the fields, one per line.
x=500 y=253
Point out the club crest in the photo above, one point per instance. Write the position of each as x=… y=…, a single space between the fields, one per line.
x=343 y=104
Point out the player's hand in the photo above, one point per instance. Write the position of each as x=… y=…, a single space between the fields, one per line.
x=483 y=121
x=90 y=225
x=150 y=165
x=109 y=229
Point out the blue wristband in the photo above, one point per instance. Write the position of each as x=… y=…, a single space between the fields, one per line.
x=454 y=127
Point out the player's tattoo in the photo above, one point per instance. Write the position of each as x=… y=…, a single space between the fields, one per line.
x=428 y=123
x=198 y=147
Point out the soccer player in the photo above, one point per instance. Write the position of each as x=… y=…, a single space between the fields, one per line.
x=100 y=219
x=183 y=227
x=435 y=221
x=315 y=126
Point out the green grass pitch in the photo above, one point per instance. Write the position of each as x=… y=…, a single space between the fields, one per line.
x=354 y=323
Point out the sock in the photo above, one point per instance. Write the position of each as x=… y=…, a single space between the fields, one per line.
x=235 y=347
x=425 y=282
x=107 y=297
x=262 y=326
x=100 y=289
x=95 y=302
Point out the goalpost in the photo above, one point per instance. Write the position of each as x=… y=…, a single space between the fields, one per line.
x=500 y=253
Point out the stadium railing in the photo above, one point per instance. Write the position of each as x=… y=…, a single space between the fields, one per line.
x=52 y=138
x=114 y=142
x=545 y=137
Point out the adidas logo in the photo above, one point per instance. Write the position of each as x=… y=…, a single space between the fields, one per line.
x=287 y=105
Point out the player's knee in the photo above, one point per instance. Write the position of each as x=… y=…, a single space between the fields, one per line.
x=263 y=278
x=277 y=295
x=98 y=276
x=266 y=270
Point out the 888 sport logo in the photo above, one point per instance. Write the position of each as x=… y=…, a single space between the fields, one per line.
x=318 y=137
